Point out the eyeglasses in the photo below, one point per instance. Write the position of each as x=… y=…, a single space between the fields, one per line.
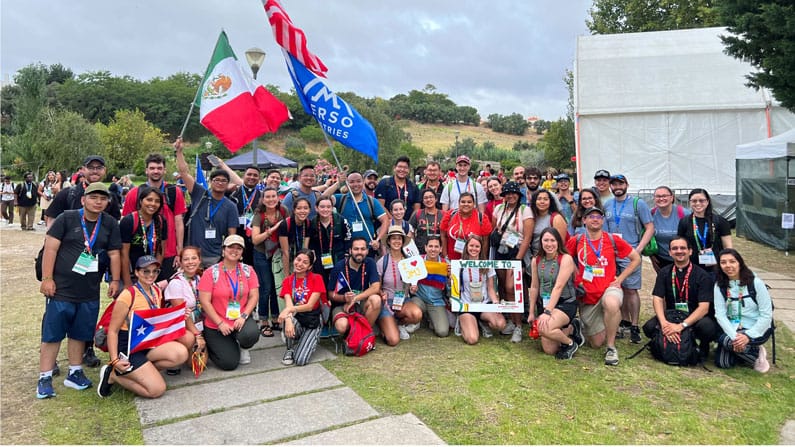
x=595 y=216
x=151 y=272
x=95 y=168
x=661 y=196
x=220 y=180
x=698 y=200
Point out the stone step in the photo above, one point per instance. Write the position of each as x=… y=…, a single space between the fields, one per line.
x=787 y=284
x=391 y=430
x=261 y=360
x=268 y=422
x=769 y=275
x=209 y=397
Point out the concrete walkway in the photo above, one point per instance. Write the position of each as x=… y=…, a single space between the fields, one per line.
x=782 y=289
x=266 y=402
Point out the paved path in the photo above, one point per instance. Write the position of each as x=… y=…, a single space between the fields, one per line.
x=265 y=402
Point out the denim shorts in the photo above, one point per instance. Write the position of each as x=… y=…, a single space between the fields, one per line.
x=67 y=319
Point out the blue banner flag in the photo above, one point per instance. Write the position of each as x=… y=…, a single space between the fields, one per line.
x=335 y=116
x=200 y=173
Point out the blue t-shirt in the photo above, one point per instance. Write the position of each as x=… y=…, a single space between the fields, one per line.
x=312 y=197
x=387 y=190
x=353 y=277
x=353 y=217
x=665 y=229
x=220 y=215
x=620 y=218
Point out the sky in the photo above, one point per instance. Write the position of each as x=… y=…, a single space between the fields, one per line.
x=499 y=56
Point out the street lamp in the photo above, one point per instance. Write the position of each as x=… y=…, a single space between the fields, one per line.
x=255 y=57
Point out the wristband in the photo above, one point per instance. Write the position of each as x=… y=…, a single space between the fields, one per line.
x=547 y=311
x=46 y=278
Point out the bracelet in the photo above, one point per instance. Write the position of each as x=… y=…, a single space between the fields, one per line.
x=46 y=278
x=219 y=324
x=113 y=363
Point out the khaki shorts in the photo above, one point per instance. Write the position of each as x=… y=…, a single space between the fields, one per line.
x=592 y=315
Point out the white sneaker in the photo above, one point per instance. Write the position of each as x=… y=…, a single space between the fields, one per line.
x=457 y=330
x=245 y=356
x=761 y=364
x=404 y=333
x=411 y=328
x=485 y=330
x=508 y=329
x=517 y=335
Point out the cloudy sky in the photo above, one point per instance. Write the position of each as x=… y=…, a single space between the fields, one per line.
x=500 y=56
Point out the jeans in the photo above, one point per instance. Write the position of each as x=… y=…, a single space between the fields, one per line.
x=268 y=301
x=725 y=357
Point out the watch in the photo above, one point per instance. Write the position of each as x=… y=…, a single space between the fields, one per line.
x=684 y=324
x=244 y=315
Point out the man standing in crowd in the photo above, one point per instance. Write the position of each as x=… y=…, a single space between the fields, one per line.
x=399 y=187
x=360 y=291
x=212 y=215
x=463 y=183
x=245 y=194
x=370 y=182
x=518 y=177
x=686 y=287
x=601 y=181
x=628 y=217
x=70 y=282
x=364 y=213
x=565 y=196
x=8 y=197
x=596 y=254
x=27 y=194
x=306 y=179
x=433 y=180
x=173 y=211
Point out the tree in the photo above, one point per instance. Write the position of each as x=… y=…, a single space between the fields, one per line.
x=295 y=150
x=541 y=126
x=763 y=32
x=630 y=16
x=558 y=144
x=32 y=83
x=129 y=138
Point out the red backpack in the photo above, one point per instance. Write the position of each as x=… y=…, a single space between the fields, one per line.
x=360 y=339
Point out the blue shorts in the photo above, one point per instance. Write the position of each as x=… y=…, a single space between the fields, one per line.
x=633 y=281
x=66 y=319
x=137 y=359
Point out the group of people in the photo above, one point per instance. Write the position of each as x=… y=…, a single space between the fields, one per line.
x=28 y=195
x=249 y=260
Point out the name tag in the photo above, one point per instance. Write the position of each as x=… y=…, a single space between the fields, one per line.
x=545 y=297
x=358 y=226
x=476 y=291
x=681 y=306
x=459 y=246
x=327 y=261
x=209 y=233
x=587 y=273
x=242 y=220
x=199 y=325
x=85 y=263
x=706 y=257
x=233 y=310
x=397 y=302
x=511 y=238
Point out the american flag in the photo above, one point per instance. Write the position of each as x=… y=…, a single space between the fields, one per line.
x=292 y=38
x=151 y=328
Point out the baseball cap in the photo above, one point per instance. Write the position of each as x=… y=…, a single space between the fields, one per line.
x=370 y=172
x=146 y=260
x=97 y=187
x=601 y=174
x=233 y=239
x=594 y=209
x=463 y=158
x=91 y=158
x=564 y=177
x=619 y=178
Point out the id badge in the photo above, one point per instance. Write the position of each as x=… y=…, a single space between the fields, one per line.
x=199 y=326
x=545 y=297
x=587 y=274
x=511 y=238
x=85 y=263
x=459 y=246
x=326 y=260
x=209 y=233
x=358 y=226
x=30 y=196
x=233 y=310
x=476 y=291
x=242 y=220
x=733 y=311
x=681 y=306
x=598 y=272
x=397 y=301
x=706 y=257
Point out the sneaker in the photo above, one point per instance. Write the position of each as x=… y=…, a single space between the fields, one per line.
x=508 y=329
x=517 y=334
x=56 y=371
x=485 y=330
x=761 y=364
x=245 y=356
x=288 y=357
x=576 y=334
x=411 y=328
x=41 y=222
x=634 y=334
x=566 y=352
x=623 y=328
x=44 y=389
x=77 y=380
x=457 y=330
x=611 y=357
x=105 y=388
x=174 y=371
x=404 y=333
x=89 y=359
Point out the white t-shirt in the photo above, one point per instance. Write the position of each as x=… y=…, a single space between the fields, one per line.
x=471 y=275
x=452 y=191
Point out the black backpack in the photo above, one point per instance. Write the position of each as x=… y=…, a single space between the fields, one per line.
x=684 y=353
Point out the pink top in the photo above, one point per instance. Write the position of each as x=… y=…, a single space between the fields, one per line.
x=222 y=290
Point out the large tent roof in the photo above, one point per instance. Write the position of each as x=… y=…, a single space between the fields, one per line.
x=265 y=160
x=775 y=147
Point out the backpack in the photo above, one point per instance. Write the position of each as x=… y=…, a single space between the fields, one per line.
x=361 y=338
x=368 y=199
x=684 y=353
x=680 y=211
x=449 y=190
x=294 y=193
x=102 y=257
x=577 y=242
x=101 y=330
x=651 y=248
x=217 y=271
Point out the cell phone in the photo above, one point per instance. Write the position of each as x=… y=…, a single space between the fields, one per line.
x=213 y=160
x=124 y=357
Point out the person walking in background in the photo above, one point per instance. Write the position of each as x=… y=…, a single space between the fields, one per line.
x=45 y=193
x=27 y=197
x=8 y=198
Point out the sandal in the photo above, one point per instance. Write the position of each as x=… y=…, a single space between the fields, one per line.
x=276 y=326
x=266 y=331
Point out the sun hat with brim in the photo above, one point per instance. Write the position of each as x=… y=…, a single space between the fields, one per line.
x=511 y=188
x=97 y=188
x=234 y=239
x=396 y=230
x=146 y=260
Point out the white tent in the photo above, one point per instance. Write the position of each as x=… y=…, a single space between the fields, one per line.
x=667 y=108
x=776 y=147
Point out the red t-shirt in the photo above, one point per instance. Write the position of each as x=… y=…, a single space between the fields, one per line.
x=222 y=290
x=314 y=283
x=179 y=208
x=457 y=228
x=586 y=254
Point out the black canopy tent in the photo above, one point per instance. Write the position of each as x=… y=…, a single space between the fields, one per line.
x=265 y=160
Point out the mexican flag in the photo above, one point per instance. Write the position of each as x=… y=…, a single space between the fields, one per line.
x=231 y=105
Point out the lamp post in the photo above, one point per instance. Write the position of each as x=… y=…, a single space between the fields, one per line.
x=255 y=57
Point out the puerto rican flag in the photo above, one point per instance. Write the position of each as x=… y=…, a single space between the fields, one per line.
x=292 y=38
x=342 y=283
x=151 y=328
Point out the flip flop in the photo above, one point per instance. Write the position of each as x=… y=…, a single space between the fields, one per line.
x=266 y=331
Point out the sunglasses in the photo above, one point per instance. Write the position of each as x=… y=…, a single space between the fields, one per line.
x=151 y=272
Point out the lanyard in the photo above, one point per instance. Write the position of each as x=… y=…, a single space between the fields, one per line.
x=234 y=285
x=504 y=223
x=469 y=273
x=299 y=298
x=348 y=275
x=299 y=243
x=152 y=305
x=549 y=280
x=596 y=252
x=211 y=211
x=247 y=200
x=682 y=290
x=149 y=238
x=405 y=192
x=162 y=186
x=330 y=235
x=89 y=241
x=701 y=239
x=617 y=214
x=194 y=285
x=458 y=185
